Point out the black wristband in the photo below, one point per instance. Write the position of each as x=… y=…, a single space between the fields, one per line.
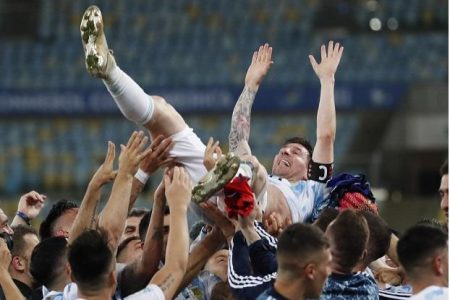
x=320 y=172
x=24 y=217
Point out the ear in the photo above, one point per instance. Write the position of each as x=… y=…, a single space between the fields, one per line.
x=310 y=271
x=363 y=255
x=438 y=265
x=18 y=264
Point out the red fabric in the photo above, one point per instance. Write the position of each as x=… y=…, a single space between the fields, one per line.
x=238 y=197
x=357 y=201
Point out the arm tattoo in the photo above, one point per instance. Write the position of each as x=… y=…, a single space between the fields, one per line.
x=167 y=282
x=240 y=121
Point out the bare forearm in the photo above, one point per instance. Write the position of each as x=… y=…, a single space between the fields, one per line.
x=138 y=274
x=326 y=123
x=200 y=255
x=136 y=190
x=9 y=288
x=169 y=277
x=115 y=212
x=154 y=239
x=86 y=215
x=240 y=121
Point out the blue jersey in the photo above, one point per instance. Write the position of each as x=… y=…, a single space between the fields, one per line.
x=353 y=286
x=252 y=269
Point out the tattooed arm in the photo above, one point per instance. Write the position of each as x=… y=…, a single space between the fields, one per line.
x=136 y=275
x=240 y=121
x=178 y=195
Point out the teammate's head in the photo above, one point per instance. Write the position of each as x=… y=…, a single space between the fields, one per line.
x=304 y=257
x=132 y=222
x=379 y=237
x=443 y=189
x=423 y=254
x=326 y=217
x=348 y=235
x=92 y=273
x=24 y=240
x=48 y=261
x=292 y=161
x=59 y=220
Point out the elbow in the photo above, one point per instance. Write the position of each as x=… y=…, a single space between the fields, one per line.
x=326 y=137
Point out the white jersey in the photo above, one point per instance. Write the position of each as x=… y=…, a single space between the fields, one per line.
x=303 y=197
x=152 y=291
x=431 y=293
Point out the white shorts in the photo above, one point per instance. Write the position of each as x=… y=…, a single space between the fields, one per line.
x=189 y=151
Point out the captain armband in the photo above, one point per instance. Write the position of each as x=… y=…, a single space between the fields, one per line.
x=320 y=172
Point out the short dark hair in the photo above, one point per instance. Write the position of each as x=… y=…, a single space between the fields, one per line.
x=48 y=260
x=349 y=233
x=298 y=242
x=19 y=244
x=145 y=222
x=379 y=236
x=57 y=210
x=301 y=141
x=444 y=168
x=90 y=259
x=417 y=244
x=137 y=212
x=432 y=222
x=326 y=217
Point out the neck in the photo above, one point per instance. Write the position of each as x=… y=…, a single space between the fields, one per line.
x=337 y=269
x=104 y=294
x=288 y=289
x=360 y=267
x=22 y=278
x=59 y=284
x=419 y=284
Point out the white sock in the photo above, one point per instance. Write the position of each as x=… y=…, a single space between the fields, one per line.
x=131 y=99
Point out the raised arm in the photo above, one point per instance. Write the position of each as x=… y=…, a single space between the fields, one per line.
x=178 y=195
x=240 y=121
x=29 y=208
x=326 y=114
x=115 y=212
x=136 y=275
x=157 y=157
x=9 y=288
x=86 y=216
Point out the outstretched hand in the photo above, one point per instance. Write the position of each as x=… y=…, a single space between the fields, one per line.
x=158 y=156
x=329 y=61
x=106 y=173
x=133 y=153
x=178 y=188
x=261 y=62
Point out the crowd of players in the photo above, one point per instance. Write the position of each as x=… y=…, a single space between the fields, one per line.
x=296 y=232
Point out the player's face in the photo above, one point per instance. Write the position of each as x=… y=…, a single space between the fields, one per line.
x=291 y=162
